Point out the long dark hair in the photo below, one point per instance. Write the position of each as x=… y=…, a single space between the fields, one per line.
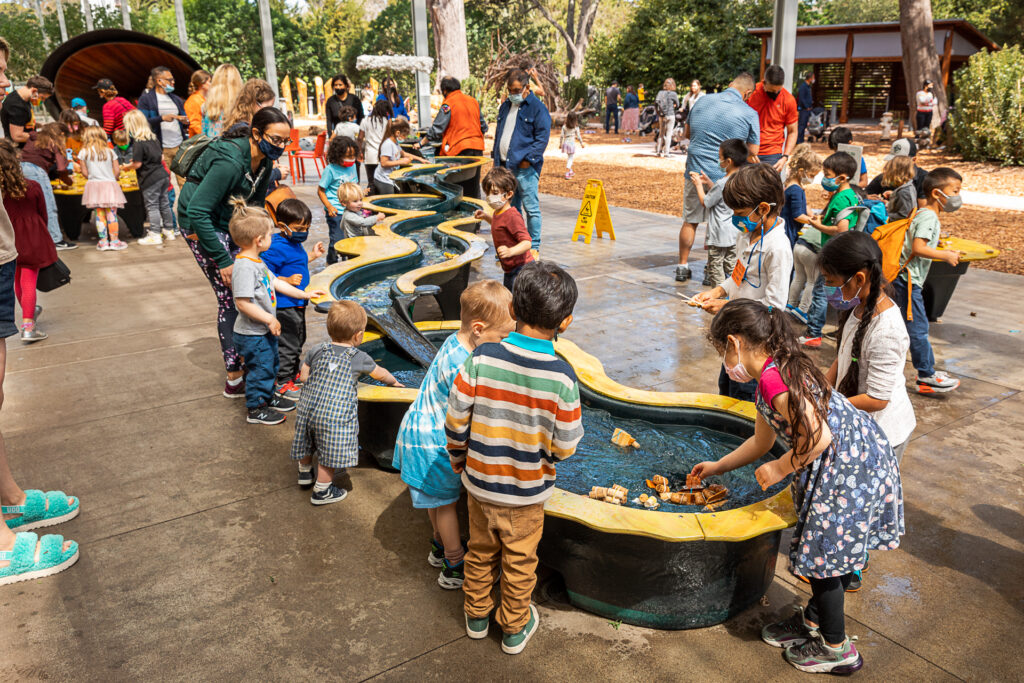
x=381 y=110
x=766 y=328
x=844 y=256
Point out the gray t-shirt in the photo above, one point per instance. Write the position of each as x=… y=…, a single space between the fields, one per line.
x=721 y=232
x=361 y=361
x=506 y=132
x=666 y=102
x=356 y=225
x=170 y=131
x=251 y=280
x=390 y=150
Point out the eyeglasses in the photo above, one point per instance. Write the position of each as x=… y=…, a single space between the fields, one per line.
x=275 y=140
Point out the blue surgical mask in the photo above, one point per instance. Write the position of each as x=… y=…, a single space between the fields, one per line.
x=836 y=300
x=830 y=184
x=168 y=89
x=298 y=237
x=272 y=152
x=744 y=223
x=516 y=98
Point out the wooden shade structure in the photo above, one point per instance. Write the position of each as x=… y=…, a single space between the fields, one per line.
x=125 y=57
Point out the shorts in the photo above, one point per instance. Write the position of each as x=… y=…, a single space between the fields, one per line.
x=421 y=499
x=8 y=327
x=693 y=207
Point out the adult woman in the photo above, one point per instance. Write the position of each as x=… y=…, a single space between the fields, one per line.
x=630 y=111
x=342 y=97
x=389 y=92
x=220 y=99
x=198 y=87
x=691 y=98
x=238 y=164
x=255 y=95
x=926 y=102
x=371 y=134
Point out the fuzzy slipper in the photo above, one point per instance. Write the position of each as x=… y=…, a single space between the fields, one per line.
x=24 y=565
x=41 y=509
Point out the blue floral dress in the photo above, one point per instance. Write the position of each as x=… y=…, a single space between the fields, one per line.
x=849 y=500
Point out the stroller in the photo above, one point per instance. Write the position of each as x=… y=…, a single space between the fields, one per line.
x=817 y=124
x=648 y=119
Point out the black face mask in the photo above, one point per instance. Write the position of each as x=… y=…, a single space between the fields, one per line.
x=771 y=95
x=340 y=92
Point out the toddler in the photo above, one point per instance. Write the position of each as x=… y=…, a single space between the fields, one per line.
x=513 y=412
x=898 y=172
x=721 y=235
x=804 y=164
x=122 y=146
x=102 y=191
x=327 y=422
x=287 y=259
x=342 y=154
x=420 y=452
x=256 y=329
x=806 y=240
x=147 y=159
x=508 y=229
x=356 y=222
x=567 y=143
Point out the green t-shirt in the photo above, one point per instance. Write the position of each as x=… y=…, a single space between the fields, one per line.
x=840 y=200
x=925 y=226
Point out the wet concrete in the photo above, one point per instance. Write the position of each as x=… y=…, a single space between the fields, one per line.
x=201 y=559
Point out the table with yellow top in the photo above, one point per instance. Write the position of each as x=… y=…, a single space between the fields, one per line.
x=71 y=214
x=943 y=278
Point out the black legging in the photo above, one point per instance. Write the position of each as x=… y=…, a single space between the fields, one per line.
x=825 y=608
x=924 y=119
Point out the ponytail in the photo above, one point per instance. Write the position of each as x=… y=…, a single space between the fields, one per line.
x=247 y=222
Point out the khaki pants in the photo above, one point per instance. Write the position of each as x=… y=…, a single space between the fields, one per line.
x=169 y=153
x=509 y=536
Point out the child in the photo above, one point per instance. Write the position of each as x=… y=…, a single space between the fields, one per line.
x=102 y=191
x=847 y=491
x=567 y=143
x=942 y=193
x=508 y=229
x=514 y=410
x=898 y=172
x=287 y=259
x=844 y=136
x=256 y=328
x=804 y=164
x=754 y=193
x=355 y=222
x=327 y=422
x=347 y=125
x=342 y=153
x=838 y=168
x=148 y=161
x=721 y=235
x=24 y=202
x=420 y=452
x=391 y=156
x=122 y=146
x=371 y=134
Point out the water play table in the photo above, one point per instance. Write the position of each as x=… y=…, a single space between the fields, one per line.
x=71 y=214
x=943 y=278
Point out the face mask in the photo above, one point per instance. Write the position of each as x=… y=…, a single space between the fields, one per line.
x=771 y=95
x=298 y=237
x=340 y=92
x=272 y=152
x=168 y=89
x=737 y=373
x=744 y=223
x=830 y=184
x=122 y=147
x=348 y=163
x=952 y=203
x=836 y=300
x=496 y=201
x=516 y=98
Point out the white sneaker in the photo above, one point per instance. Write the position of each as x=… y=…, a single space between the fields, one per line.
x=169 y=235
x=152 y=239
x=938 y=383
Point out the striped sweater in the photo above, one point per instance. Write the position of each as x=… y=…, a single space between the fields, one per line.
x=513 y=411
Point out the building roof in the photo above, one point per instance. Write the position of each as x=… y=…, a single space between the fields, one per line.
x=960 y=26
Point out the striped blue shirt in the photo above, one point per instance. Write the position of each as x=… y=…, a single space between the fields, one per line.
x=714 y=119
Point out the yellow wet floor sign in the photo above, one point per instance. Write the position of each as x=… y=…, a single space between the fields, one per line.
x=593 y=214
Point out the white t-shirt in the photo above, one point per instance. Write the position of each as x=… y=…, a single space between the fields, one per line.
x=506 y=132
x=883 y=356
x=391 y=151
x=348 y=128
x=170 y=131
x=373 y=133
x=98 y=169
x=765 y=264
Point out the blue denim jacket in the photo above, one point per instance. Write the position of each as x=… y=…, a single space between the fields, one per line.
x=530 y=138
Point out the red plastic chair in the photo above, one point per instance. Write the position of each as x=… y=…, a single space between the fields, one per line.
x=318 y=155
x=293 y=163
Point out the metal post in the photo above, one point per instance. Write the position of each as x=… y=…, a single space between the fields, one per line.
x=179 y=15
x=39 y=18
x=60 y=19
x=126 y=20
x=268 y=44
x=784 y=36
x=419 y=37
x=87 y=11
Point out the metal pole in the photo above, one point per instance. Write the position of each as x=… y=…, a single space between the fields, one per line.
x=39 y=18
x=87 y=11
x=268 y=44
x=784 y=36
x=179 y=15
x=419 y=36
x=60 y=19
x=126 y=20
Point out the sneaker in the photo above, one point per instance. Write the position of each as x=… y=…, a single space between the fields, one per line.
x=31 y=334
x=787 y=633
x=65 y=245
x=814 y=656
x=38 y=312
x=168 y=235
x=830 y=335
x=118 y=245
x=797 y=313
x=152 y=239
x=264 y=416
x=332 y=494
x=568 y=175
x=103 y=245
x=810 y=342
x=236 y=391
x=477 y=628
x=682 y=273
x=306 y=478
x=451 y=576
x=287 y=390
x=938 y=383
x=436 y=556
x=514 y=643
x=281 y=404
x=854 y=585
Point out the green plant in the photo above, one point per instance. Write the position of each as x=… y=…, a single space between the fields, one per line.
x=474 y=86
x=574 y=90
x=988 y=121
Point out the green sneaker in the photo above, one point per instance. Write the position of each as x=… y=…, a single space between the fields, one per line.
x=514 y=643
x=785 y=634
x=477 y=628
x=814 y=656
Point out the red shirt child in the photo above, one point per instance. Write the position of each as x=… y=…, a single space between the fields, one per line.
x=508 y=229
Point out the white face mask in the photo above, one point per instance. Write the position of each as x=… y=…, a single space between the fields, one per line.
x=496 y=201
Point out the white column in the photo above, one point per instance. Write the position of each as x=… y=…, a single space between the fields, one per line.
x=179 y=15
x=60 y=18
x=87 y=11
x=784 y=37
x=126 y=20
x=268 y=44
x=419 y=36
x=39 y=18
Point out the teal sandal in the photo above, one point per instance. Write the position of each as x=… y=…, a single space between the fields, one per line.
x=24 y=566
x=35 y=512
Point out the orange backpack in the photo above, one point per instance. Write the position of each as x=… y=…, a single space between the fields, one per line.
x=891 y=237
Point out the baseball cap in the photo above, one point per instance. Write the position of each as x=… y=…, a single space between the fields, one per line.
x=77 y=102
x=104 y=84
x=904 y=147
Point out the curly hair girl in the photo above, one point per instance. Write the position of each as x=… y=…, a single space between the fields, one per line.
x=12 y=181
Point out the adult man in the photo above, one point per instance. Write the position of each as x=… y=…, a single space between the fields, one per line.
x=342 y=97
x=459 y=126
x=714 y=118
x=165 y=112
x=777 y=116
x=114 y=106
x=804 y=104
x=611 y=107
x=520 y=137
x=79 y=106
x=16 y=111
x=904 y=147
x=665 y=104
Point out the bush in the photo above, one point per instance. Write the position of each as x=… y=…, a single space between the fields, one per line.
x=574 y=90
x=473 y=86
x=988 y=122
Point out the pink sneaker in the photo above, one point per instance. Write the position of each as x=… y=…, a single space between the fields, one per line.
x=568 y=174
x=118 y=245
x=236 y=391
x=103 y=245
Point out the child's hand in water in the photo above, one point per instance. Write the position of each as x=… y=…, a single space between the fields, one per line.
x=770 y=473
x=705 y=469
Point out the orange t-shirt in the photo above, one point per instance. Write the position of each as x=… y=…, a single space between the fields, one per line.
x=194 y=112
x=774 y=116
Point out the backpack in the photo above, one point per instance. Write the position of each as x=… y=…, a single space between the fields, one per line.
x=871 y=213
x=188 y=153
x=891 y=237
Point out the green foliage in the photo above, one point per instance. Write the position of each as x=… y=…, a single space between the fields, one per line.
x=988 y=121
x=856 y=11
x=520 y=29
x=489 y=103
x=390 y=33
x=573 y=90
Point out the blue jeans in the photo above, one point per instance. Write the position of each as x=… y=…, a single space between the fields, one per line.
x=260 y=354
x=818 y=308
x=510 y=277
x=743 y=391
x=769 y=159
x=8 y=327
x=921 y=354
x=334 y=233
x=801 y=127
x=611 y=113
x=527 y=201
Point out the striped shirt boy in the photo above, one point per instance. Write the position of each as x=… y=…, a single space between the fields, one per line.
x=513 y=411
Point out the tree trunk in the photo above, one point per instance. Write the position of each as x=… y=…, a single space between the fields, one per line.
x=920 y=59
x=576 y=32
x=449 y=21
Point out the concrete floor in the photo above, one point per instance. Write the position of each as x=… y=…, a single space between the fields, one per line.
x=202 y=560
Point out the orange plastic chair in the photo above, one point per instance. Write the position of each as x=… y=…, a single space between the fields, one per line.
x=293 y=163
x=318 y=155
